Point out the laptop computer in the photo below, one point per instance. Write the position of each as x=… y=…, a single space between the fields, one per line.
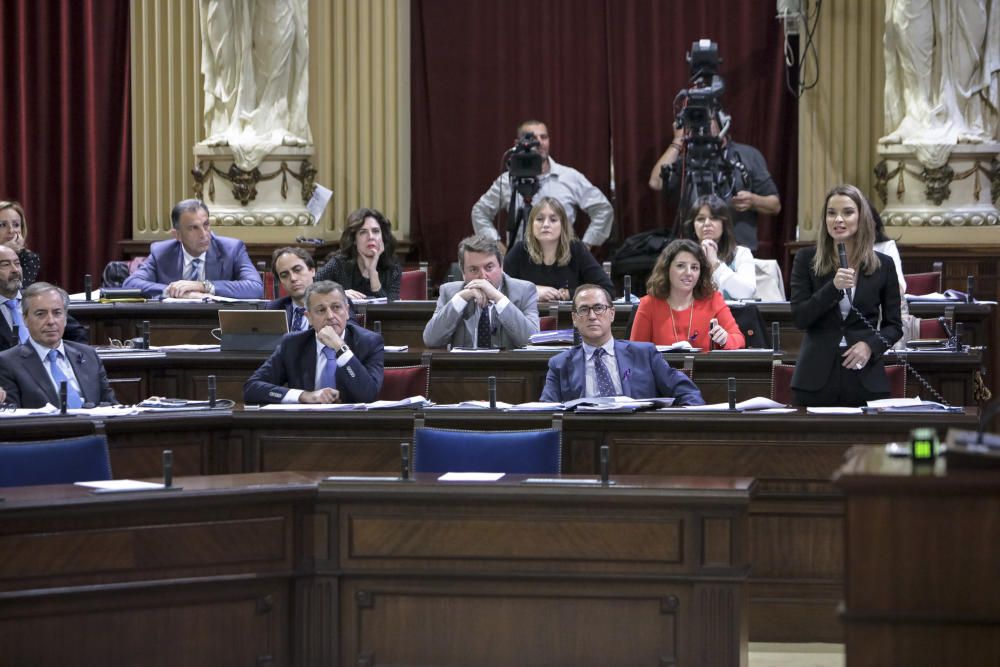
x=251 y=330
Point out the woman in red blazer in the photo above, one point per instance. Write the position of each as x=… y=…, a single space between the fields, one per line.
x=681 y=304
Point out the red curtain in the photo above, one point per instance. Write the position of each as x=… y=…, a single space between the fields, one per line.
x=480 y=68
x=648 y=41
x=603 y=74
x=64 y=119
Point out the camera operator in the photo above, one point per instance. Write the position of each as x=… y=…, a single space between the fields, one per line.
x=565 y=184
x=749 y=188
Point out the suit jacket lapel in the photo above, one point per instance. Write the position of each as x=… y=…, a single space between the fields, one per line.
x=577 y=380
x=213 y=261
x=75 y=359
x=6 y=332
x=624 y=363
x=38 y=374
x=307 y=356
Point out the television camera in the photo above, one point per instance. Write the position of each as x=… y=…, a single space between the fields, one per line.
x=524 y=165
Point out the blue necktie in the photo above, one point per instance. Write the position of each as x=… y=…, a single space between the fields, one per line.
x=194 y=271
x=329 y=375
x=15 y=317
x=297 y=318
x=73 y=399
x=605 y=387
x=484 y=337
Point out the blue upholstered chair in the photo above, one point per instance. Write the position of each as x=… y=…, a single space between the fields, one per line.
x=517 y=452
x=64 y=461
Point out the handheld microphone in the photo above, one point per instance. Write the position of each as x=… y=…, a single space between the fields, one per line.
x=211 y=391
x=731 y=384
x=842 y=254
x=491 y=383
x=404 y=455
x=88 y=286
x=168 y=468
x=776 y=337
x=605 y=454
x=62 y=397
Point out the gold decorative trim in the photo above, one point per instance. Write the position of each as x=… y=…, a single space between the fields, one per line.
x=244 y=183
x=937 y=182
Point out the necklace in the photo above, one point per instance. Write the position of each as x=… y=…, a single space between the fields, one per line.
x=673 y=324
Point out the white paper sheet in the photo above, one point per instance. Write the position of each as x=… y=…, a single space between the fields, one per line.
x=470 y=477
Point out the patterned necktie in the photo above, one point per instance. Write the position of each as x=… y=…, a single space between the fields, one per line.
x=329 y=376
x=73 y=399
x=484 y=332
x=298 y=318
x=194 y=271
x=605 y=387
x=15 y=317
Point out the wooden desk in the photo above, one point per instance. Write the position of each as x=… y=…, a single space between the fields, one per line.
x=458 y=376
x=273 y=569
x=796 y=517
x=169 y=323
x=921 y=562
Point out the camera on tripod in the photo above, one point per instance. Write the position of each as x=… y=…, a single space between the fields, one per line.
x=525 y=162
x=706 y=170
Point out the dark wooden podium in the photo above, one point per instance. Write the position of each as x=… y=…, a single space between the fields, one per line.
x=922 y=560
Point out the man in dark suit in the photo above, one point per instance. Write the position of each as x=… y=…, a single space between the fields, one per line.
x=295 y=270
x=31 y=373
x=335 y=361
x=603 y=366
x=197 y=263
x=11 y=282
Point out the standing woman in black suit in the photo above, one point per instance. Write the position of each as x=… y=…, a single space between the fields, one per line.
x=850 y=315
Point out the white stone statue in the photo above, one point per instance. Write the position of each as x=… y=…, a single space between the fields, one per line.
x=255 y=60
x=942 y=74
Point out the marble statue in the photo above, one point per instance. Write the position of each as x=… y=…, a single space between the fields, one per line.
x=942 y=79
x=255 y=62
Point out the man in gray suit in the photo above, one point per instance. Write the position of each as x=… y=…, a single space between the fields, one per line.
x=31 y=373
x=487 y=308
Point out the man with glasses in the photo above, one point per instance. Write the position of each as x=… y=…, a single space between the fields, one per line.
x=335 y=361
x=602 y=366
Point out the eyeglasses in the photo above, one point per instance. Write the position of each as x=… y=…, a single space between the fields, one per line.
x=597 y=309
x=120 y=345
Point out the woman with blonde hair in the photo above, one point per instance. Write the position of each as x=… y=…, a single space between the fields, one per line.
x=552 y=257
x=13 y=232
x=681 y=304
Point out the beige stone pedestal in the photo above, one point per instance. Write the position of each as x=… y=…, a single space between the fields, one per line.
x=953 y=203
x=266 y=205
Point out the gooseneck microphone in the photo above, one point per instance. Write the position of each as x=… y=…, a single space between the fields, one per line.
x=842 y=254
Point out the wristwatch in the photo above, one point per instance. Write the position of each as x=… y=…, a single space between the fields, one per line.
x=208 y=287
x=343 y=349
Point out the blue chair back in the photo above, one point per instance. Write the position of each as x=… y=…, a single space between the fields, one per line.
x=515 y=452
x=55 y=461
